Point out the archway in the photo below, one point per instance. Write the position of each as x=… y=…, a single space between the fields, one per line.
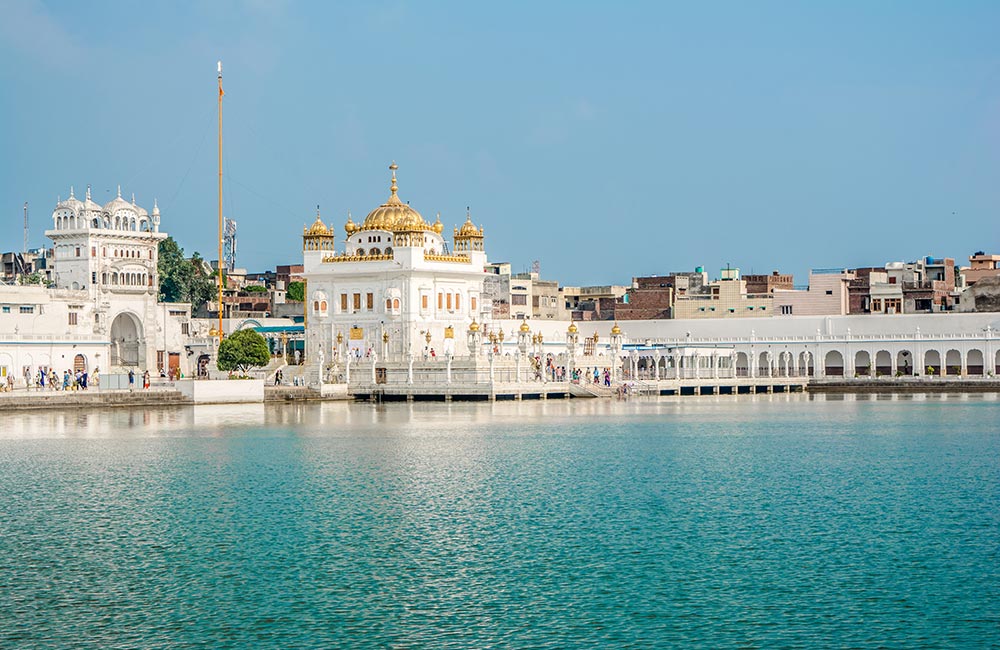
x=862 y=363
x=932 y=362
x=764 y=364
x=806 y=364
x=742 y=364
x=883 y=363
x=833 y=364
x=79 y=363
x=904 y=363
x=974 y=362
x=953 y=362
x=203 y=361
x=126 y=334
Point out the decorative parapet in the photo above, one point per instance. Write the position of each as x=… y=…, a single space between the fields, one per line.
x=461 y=259
x=357 y=258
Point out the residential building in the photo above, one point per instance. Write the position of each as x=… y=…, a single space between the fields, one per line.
x=828 y=294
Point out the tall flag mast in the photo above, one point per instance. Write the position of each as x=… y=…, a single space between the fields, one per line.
x=221 y=93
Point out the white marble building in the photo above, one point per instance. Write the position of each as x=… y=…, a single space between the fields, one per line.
x=102 y=312
x=396 y=289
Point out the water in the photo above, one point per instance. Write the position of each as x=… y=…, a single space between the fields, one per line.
x=749 y=522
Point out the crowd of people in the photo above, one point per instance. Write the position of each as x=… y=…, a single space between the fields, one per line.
x=49 y=379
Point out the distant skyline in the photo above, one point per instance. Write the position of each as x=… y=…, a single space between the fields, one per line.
x=606 y=140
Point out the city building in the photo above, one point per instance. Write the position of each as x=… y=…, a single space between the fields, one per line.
x=394 y=290
x=981 y=266
x=828 y=294
x=102 y=309
x=726 y=297
x=768 y=283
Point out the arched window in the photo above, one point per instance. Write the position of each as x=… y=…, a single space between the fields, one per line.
x=374 y=251
x=315 y=305
x=388 y=250
x=322 y=306
x=361 y=252
x=395 y=303
x=388 y=304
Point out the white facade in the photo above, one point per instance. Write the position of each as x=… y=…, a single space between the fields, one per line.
x=102 y=313
x=395 y=290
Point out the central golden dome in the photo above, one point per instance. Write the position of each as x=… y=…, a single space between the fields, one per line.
x=394 y=215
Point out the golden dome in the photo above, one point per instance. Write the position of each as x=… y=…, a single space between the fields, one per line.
x=615 y=331
x=350 y=227
x=524 y=326
x=394 y=215
x=438 y=227
x=318 y=227
x=572 y=329
x=468 y=228
x=473 y=326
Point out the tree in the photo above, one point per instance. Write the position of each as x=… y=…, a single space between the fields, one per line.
x=243 y=350
x=182 y=279
x=175 y=272
x=296 y=291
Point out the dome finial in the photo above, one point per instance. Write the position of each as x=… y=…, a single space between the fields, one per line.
x=393 y=167
x=317 y=210
x=119 y=191
x=71 y=192
x=88 y=191
x=133 y=198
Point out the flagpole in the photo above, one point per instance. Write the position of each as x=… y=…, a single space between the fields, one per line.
x=220 y=202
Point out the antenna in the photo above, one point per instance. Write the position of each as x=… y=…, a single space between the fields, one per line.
x=25 y=249
x=536 y=267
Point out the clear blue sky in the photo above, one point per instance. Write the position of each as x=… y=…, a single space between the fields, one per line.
x=605 y=139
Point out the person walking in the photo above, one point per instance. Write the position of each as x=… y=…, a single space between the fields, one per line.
x=145 y=380
x=131 y=380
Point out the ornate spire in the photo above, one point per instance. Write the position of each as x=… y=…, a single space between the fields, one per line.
x=133 y=198
x=119 y=191
x=393 y=187
x=71 y=192
x=156 y=208
x=88 y=191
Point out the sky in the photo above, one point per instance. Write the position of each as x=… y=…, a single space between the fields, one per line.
x=606 y=140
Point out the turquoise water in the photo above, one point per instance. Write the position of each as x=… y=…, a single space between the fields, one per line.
x=750 y=522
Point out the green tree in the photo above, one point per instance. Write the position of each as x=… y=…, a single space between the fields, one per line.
x=175 y=272
x=182 y=279
x=243 y=350
x=296 y=291
x=204 y=284
x=255 y=288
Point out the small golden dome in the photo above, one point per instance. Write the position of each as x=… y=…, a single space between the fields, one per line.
x=350 y=227
x=468 y=228
x=473 y=326
x=615 y=331
x=438 y=227
x=572 y=329
x=318 y=227
x=394 y=215
x=524 y=326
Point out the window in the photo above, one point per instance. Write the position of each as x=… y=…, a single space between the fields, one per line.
x=93 y=276
x=449 y=302
x=473 y=304
x=93 y=251
x=343 y=302
x=440 y=300
x=185 y=328
x=829 y=292
x=423 y=301
x=395 y=304
x=370 y=301
x=519 y=299
x=750 y=308
x=357 y=302
x=26 y=309
x=388 y=304
x=6 y=309
x=72 y=318
x=78 y=251
x=786 y=309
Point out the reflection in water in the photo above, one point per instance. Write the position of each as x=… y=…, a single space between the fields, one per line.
x=713 y=521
